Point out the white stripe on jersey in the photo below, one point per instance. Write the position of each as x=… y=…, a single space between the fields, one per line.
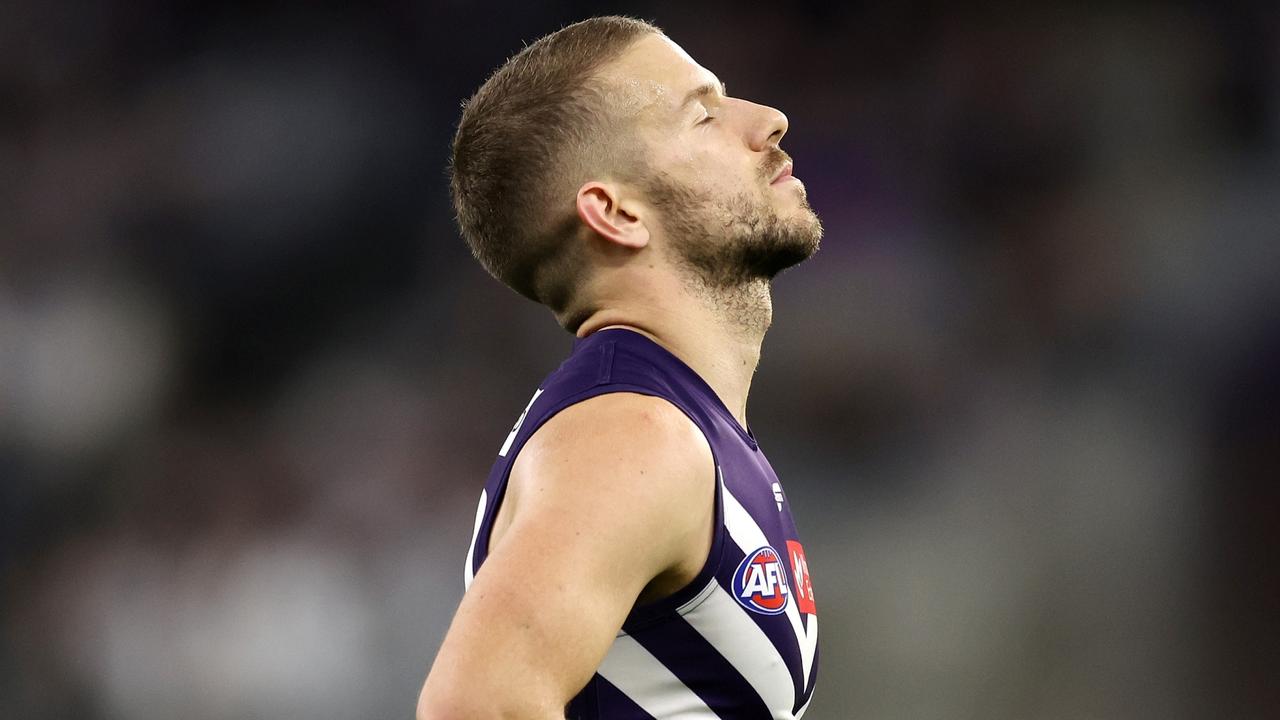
x=731 y=632
x=748 y=536
x=475 y=532
x=648 y=683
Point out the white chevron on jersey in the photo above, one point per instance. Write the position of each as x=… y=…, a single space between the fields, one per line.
x=648 y=683
x=748 y=536
x=732 y=633
x=475 y=532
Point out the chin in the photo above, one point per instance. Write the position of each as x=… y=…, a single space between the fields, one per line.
x=789 y=243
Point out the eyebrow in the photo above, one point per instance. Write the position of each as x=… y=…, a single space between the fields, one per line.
x=702 y=91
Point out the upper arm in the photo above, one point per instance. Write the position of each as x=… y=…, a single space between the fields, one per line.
x=608 y=495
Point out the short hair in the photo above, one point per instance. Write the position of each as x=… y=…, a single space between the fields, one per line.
x=536 y=127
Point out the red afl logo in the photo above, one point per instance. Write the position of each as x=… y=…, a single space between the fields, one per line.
x=760 y=583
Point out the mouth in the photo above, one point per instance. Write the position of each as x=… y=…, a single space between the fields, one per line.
x=783 y=175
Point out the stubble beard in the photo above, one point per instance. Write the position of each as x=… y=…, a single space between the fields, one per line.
x=727 y=246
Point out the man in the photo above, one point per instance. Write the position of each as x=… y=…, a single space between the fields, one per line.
x=634 y=555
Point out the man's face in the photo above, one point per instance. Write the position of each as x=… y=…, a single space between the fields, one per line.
x=727 y=203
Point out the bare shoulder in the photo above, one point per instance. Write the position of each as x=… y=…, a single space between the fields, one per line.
x=609 y=504
x=642 y=429
x=632 y=462
x=610 y=441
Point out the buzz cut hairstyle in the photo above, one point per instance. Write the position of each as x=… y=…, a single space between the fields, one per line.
x=537 y=128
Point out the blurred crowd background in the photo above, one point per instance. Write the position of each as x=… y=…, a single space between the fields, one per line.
x=1026 y=400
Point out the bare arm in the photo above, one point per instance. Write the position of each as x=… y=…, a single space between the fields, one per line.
x=610 y=500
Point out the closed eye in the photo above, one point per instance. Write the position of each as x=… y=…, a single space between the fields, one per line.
x=706 y=119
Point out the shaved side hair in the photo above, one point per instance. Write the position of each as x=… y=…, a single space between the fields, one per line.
x=537 y=129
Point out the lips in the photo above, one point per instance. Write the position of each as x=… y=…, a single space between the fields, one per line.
x=783 y=174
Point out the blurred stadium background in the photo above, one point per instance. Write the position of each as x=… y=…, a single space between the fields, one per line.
x=1026 y=400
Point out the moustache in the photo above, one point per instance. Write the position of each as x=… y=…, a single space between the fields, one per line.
x=772 y=164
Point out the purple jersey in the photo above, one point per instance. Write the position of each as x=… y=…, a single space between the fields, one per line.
x=740 y=642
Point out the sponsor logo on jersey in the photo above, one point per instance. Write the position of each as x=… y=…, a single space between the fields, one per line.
x=803 y=583
x=760 y=583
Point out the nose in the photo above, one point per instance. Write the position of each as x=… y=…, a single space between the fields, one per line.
x=768 y=129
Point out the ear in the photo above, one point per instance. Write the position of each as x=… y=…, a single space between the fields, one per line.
x=600 y=209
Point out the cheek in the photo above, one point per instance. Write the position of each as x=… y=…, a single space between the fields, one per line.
x=719 y=171
x=705 y=160
x=688 y=167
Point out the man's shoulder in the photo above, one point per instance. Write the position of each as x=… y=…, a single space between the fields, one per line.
x=620 y=423
x=619 y=446
x=629 y=462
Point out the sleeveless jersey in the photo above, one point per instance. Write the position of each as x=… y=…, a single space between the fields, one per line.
x=740 y=641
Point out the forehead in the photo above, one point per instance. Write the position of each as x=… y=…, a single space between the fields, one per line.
x=653 y=76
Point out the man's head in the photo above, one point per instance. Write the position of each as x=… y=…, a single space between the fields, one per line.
x=604 y=140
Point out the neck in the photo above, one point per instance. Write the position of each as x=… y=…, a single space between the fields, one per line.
x=715 y=331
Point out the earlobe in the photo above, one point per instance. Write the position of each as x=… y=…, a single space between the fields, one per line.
x=601 y=209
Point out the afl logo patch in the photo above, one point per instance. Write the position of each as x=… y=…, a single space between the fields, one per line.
x=760 y=582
